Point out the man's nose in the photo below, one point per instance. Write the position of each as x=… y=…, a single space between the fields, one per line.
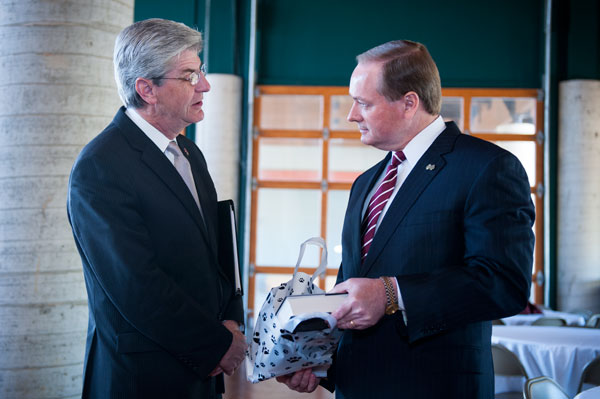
x=353 y=115
x=202 y=85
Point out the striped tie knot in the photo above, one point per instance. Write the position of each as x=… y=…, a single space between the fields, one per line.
x=378 y=202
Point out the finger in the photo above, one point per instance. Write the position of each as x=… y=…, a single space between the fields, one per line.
x=339 y=288
x=216 y=371
x=306 y=379
x=295 y=382
x=314 y=382
x=284 y=379
x=296 y=379
x=340 y=313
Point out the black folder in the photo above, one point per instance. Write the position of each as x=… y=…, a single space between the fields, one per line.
x=228 y=246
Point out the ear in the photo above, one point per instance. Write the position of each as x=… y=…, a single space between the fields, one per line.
x=146 y=89
x=411 y=103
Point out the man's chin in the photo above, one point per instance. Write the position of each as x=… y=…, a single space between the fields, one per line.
x=365 y=139
x=197 y=117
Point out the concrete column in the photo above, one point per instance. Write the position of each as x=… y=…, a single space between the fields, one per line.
x=578 y=226
x=57 y=91
x=218 y=135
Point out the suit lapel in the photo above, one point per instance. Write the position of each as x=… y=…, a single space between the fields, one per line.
x=160 y=165
x=426 y=169
x=203 y=183
x=204 y=187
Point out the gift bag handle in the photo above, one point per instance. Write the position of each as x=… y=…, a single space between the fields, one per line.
x=320 y=242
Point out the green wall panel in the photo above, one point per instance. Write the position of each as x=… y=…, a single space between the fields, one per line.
x=185 y=11
x=583 y=40
x=474 y=43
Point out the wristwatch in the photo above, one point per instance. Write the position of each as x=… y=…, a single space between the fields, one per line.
x=391 y=306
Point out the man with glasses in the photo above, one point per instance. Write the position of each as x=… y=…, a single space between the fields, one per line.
x=163 y=319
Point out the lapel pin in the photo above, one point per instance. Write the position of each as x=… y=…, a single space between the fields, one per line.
x=187 y=154
x=430 y=167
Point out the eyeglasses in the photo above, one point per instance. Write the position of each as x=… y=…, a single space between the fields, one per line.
x=194 y=77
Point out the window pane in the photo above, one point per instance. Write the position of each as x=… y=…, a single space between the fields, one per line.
x=262 y=285
x=330 y=282
x=525 y=151
x=337 y=200
x=349 y=158
x=452 y=110
x=503 y=115
x=290 y=159
x=340 y=107
x=285 y=219
x=291 y=112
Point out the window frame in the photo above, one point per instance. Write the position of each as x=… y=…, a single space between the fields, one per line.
x=326 y=134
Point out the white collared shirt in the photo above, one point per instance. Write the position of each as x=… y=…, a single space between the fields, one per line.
x=161 y=141
x=413 y=151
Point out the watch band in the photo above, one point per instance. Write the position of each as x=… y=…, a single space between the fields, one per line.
x=390 y=293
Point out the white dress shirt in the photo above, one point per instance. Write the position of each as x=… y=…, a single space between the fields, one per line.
x=161 y=141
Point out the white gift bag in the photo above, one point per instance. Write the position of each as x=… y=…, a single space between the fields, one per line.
x=279 y=347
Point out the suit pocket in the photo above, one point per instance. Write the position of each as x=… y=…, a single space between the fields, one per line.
x=134 y=342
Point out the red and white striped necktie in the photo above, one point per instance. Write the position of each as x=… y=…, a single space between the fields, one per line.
x=378 y=201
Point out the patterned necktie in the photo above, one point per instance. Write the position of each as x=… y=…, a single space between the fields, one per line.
x=378 y=201
x=183 y=167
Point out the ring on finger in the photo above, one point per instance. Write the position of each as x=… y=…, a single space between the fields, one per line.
x=352 y=324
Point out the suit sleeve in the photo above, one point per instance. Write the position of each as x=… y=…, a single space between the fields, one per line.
x=494 y=278
x=114 y=242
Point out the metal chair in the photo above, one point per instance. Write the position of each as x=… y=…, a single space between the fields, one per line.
x=593 y=321
x=543 y=388
x=591 y=374
x=549 y=321
x=586 y=313
x=507 y=364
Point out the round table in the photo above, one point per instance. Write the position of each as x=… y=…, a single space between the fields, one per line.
x=593 y=393
x=557 y=352
x=572 y=319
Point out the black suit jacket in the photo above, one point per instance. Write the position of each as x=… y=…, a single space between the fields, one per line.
x=156 y=293
x=458 y=237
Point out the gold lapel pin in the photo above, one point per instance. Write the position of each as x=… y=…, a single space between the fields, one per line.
x=430 y=167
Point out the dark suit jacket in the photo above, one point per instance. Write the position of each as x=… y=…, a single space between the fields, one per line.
x=458 y=237
x=156 y=293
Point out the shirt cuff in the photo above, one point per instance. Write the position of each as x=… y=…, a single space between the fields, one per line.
x=400 y=301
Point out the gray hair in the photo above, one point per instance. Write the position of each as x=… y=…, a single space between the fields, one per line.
x=146 y=49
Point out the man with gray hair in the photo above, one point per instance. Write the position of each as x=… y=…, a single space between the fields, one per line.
x=164 y=321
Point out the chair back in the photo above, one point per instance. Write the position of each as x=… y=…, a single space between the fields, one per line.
x=593 y=321
x=549 y=321
x=506 y=362
x=586 y=313
x=591 y=374
x=543 y=388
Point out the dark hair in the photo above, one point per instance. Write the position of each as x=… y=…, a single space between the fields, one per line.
x=407 y=66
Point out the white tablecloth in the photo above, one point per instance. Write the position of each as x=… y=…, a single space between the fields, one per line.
x=593 y=393
x=557 y=352
x=572 y=319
